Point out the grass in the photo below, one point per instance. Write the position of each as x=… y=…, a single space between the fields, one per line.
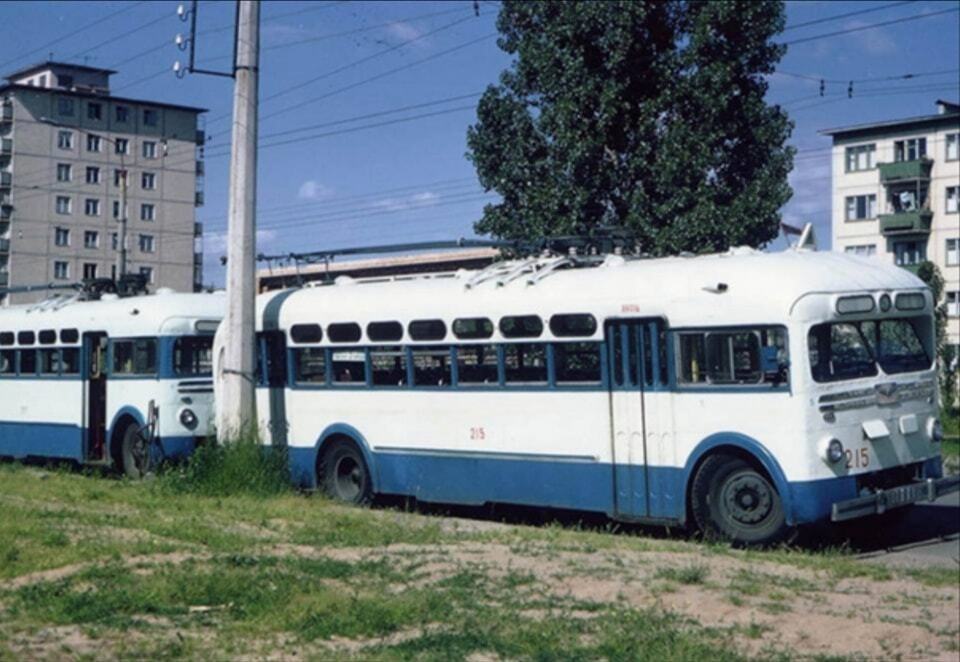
x=220 y=558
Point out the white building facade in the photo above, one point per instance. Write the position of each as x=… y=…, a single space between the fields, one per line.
x=896 y=195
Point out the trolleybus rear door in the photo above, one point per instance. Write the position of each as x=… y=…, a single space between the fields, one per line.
x=95 y=401
x=636 y=360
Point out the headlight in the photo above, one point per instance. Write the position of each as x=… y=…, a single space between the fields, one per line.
x=935 y=430
x=188 y=419
x=832 y=450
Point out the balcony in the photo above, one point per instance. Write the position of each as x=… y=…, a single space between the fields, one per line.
x=906 y=222
x=6 y=180
x=902 y=171
x=4 y=245
x=6 y=212
x=4 y=278
x=6 y=146
x=198 y=199
x=201 y=137
x=198 y=229
x=200 y=168
x=6 y=112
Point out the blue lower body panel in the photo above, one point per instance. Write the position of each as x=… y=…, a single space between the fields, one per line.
x=176 y=448
x=60 y=440
x=474 y=479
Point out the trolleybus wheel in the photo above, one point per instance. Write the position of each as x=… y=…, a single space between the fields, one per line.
x=344 y=475
x=733 y=501
x=134 y=453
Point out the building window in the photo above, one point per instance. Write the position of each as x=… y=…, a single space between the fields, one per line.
x=93 y=175
x=114 y=240
x=953 y=146
x=93 y=143
x=953 y=252
x=91 y=239
x=122 y=113
x=65 y=139
x=117 y=176
x=910 y=150
x=953 y=304
x=91 y=207
x=61 y=237
x=149 y=149
x=116 y=209
x=149 y=117
x=861 y=207
x=89 y=271
x=121 y=146
x=148 y=181
x=64 y=172
x=909 y=253
x=147 y=212
x=147 y=244
x=147 y=273
x=61 y=270
x=94 y=111
x=861 y=157
x=63 y=204
x=65 y=106
x=863 y=250
x=953 y=199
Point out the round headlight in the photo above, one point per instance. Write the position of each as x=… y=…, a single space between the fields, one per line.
x=935 y=430
x=885 y=303
x=833 y=451
x=188 y=419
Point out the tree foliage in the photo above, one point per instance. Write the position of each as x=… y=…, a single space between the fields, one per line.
x=930 y=274
x=642 y=115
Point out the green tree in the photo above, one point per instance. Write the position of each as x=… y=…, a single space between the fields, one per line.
x=643 y=115
x=930 y=274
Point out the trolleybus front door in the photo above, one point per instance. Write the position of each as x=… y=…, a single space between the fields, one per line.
x=95 y=405
x=637 y=361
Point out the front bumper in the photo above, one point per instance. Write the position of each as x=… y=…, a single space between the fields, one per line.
x=883 y=500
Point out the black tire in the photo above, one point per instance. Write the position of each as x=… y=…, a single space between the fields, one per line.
x=732 y=501
x=134 y=454
x=344 y=475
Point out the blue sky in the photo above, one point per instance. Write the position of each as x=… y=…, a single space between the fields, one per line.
x=409 y=180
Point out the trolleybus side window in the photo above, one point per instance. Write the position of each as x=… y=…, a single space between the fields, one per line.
x=70 y=360
x=384 y=331
x=28 y=361
x=732 y=357
x=344 y=332
x=525 y=363
x=272 y=358
x=310 y=365
x=576 y=362
x=193 y=356
x=427 y=330
x=137 y=356
x=521 y=326
x=472 y=328
x=388 y=365
x=431 y=366
x=49 y=361
x=8 y=362
x=69 y=336
x=306 y=333
x=48 y=337
x=573 y=325
x=6 y=338
x=477 y=364
x=349 y=366
x=26 y=337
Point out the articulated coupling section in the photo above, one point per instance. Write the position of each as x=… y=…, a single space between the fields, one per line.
x=883 y=500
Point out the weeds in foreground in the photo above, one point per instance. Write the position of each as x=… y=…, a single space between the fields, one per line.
x=243 y=466
x=695 y=573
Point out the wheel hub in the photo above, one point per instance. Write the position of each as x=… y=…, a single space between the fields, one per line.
x=349 y=478
x=748 y=499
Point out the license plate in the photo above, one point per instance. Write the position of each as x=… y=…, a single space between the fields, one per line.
x=901 y=496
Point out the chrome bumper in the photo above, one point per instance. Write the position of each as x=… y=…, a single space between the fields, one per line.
x=883 y=500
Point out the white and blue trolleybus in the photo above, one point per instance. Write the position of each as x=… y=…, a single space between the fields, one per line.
x=119 y=381
x=745 y=392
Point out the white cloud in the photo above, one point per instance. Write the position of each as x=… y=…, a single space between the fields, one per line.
x=314 y=190
x=278 y=33
x=215 y=243
x=406 y=32
x=415 y=201
x=876 y=41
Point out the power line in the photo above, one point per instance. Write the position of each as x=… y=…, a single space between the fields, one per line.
x=115 y=38
x=870 y=27
x=846 y=15
x=907 y=76
x=79 y=30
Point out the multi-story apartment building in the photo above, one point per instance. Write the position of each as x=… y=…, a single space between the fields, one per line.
x=66 y=145
x=896 y=195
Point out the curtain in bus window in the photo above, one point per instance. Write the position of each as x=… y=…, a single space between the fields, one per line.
x=135 y=357
x=388 y=366
x=525 y=363
x=477 y=364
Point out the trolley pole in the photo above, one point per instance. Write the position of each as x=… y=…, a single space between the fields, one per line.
x=237 y=407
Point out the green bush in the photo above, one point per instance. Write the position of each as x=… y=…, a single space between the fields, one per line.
x=241 y=466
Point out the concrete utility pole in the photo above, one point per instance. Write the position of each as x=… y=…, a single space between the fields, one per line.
x=237 y=406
